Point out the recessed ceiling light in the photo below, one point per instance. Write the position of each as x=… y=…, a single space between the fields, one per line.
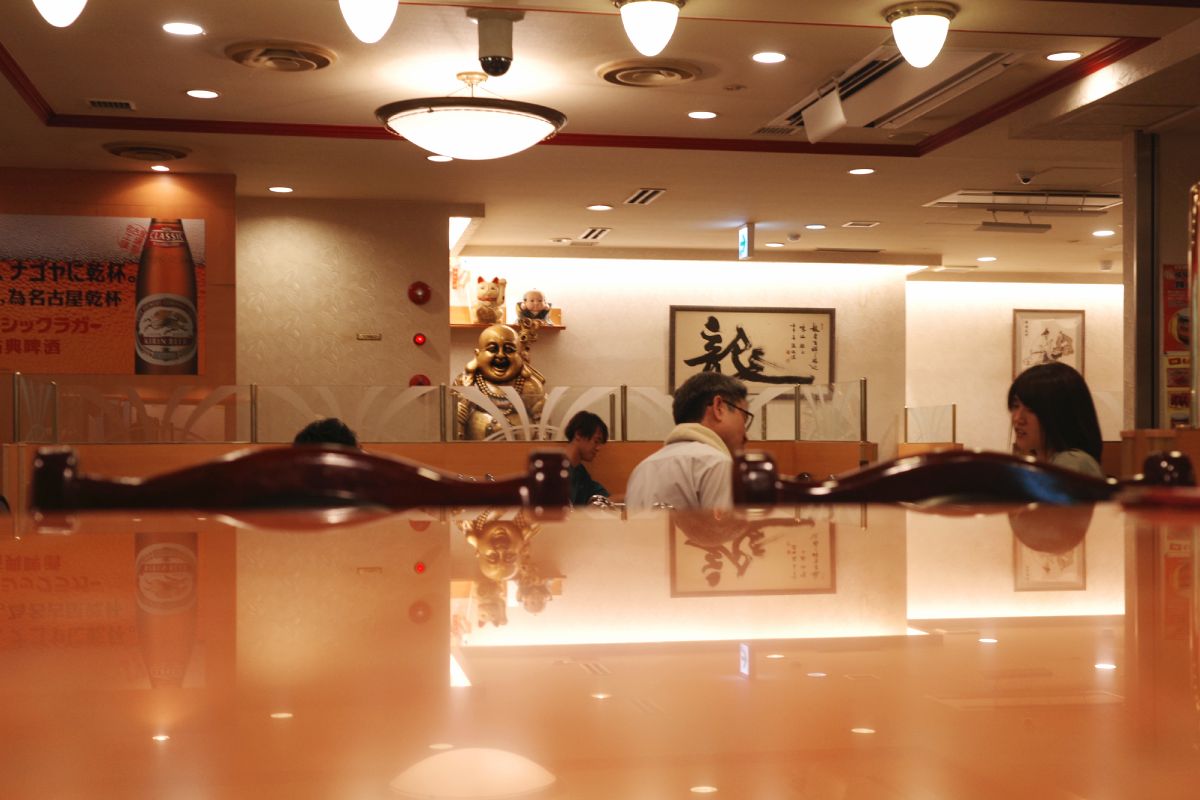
x=162 y=737
x=818 y=675
x=862 y=171
x=161 y=168
x=282 y=715
x=280 y=189
x=988 y=640
x=439 y=159
x=600 y=207
x=183 y=28
x=816 y=226
x=1104 y=233
x=986 y=259
x=1105 y=666
x=774 y=244
x=441 y=746
x=774 y=656
x=702 y=114
x=601 y=696
x=1066 y=55
x=703 y=790
x=769 y=57
x=862 y=730
x=203 y=94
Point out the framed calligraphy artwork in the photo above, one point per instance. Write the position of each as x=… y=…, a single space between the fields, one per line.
x=1045 y=336
x=760 y=346
x=711 y=556
x=1042 y=571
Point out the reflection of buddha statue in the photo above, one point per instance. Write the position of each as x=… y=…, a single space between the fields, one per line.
x=500 y=362
x=500 y=544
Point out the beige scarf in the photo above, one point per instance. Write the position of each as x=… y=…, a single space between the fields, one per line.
x=695 y=432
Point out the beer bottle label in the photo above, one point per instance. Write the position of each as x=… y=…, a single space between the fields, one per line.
x=166 y=237
x=166 y=329
x=166 y=578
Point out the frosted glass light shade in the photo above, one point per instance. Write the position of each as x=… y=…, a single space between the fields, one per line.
x=920 y=30
x=649 y=24
x=60 y=13
x=471 y=128
x=369 y=20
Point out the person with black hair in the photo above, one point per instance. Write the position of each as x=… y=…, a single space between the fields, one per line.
x=327 y=431
x=694 y=469
x=586 y=434
x=1054 y=418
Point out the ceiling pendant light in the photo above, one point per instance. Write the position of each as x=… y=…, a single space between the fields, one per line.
x=920 y=29
x=369 y=20
x=471 y=128
x=649 y=23
x=60 y=13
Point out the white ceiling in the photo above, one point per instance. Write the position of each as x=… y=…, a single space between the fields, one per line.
x=116 y=50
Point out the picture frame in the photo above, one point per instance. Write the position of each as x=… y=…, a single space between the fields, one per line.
x=1041 y=571
x=1044 y=336
x=760 y=346
x=711 y=557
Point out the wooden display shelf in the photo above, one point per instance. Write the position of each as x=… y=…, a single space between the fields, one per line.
x=460 y=317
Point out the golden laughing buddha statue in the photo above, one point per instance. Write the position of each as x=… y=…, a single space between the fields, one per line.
x=501 y=361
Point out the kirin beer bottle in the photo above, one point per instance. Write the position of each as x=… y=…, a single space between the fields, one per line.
x=165 y=571
x=165 y=322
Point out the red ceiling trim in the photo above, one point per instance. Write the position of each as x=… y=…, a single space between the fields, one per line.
x=1064 y=77
x=24 y=87
x=733 y=145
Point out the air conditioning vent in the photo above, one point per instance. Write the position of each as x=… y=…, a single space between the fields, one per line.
x=1058 y=202
x=846 y=250
x=281 y=56
x=139 y=151
x=594 y=234
x=876 y=94
x=862 y=223
x=643 y=197
x=112 y=105
x=582 y=244
x=777 y=130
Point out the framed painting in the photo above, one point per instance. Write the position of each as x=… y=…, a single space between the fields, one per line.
x=715 y=557
x=760 y=346
x=1041 y=571
x=1043 y=336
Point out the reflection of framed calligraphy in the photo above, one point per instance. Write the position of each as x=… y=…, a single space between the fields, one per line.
x=760 y=346
x=1045 y=336
x=1040 y=571
x=712 y=556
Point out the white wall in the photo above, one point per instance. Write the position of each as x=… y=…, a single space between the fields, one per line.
x=959 y=349
x=616 y=315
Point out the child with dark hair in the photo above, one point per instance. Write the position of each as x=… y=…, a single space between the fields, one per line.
x=327 y=431
x=1054 y=419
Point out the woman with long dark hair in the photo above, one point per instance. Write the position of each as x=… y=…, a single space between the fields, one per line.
x=1054 y=419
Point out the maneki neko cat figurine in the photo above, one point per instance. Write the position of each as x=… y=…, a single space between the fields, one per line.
x=489 y=301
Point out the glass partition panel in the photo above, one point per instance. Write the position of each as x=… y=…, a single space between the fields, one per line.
x=831 y=413
x=111 y=409
x=505 y=417
x=648 y=415
x=1110 y=409
x=923 y=424
x=374 y=413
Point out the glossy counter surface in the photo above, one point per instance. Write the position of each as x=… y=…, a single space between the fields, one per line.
x=836 y=652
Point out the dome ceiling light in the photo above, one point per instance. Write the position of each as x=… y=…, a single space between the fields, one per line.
x=649 y=24
x=920 y=29
x=471 y=128
x=60 y=13
x=369 y=20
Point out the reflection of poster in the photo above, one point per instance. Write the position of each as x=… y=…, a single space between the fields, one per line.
x=1039 y=571
x=1177 y=399
x=68 y=291
x=757 y=345
x=715 y=556
x=1176 y=325
x=1045 y=337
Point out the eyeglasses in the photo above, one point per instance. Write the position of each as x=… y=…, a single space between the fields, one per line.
x=745 y=411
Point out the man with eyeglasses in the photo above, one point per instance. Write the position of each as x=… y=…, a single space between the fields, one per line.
x=694 y=469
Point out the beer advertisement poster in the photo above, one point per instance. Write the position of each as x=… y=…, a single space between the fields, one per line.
x=102 y=295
